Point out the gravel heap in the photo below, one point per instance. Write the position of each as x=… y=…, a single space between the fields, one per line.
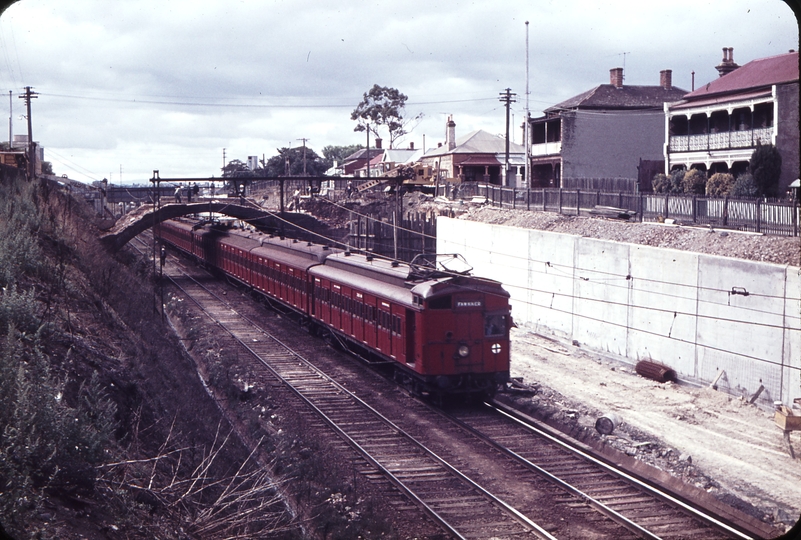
x=726 y=243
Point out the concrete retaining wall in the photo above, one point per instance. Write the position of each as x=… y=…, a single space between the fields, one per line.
x=699 y=314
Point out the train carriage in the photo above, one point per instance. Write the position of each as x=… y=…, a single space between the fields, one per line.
x=445 y=332
x=177 y=233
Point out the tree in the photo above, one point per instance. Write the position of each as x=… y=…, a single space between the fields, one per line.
x=382 y=106
x=766 y=168
x=276 y=165
x=338 y=153
x=236 y=167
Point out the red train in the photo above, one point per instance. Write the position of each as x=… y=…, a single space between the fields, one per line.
x=443 y=332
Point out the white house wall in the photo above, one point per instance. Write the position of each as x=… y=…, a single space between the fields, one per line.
x=702 y=315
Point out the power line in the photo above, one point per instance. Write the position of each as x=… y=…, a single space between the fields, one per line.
x=595 y=319
x=607 y=302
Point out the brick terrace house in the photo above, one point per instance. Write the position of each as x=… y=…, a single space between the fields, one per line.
x=716 y=127
x=604 y=132
x=358 y=160
x=476 y=157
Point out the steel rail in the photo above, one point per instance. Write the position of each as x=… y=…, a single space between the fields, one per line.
x=510 y=413
x=517 y=515
x=598 y=505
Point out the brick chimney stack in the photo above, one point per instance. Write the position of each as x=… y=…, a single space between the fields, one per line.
x=616 y=77
x=727 y=65
x=450 y=133
x=666 y=78
x=378 y=142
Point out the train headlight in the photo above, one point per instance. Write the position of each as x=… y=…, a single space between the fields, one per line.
x=463 y=351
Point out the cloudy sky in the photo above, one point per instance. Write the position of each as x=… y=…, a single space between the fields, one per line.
x=129 y=87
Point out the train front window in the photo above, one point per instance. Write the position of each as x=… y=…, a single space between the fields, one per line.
x=442 y=302
x=494 y=325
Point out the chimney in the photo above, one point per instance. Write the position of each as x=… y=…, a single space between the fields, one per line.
x=411 y=145
x=378 y=142
x=616 y=77
x=666 y=79
x=727 y=65
x=450 y=133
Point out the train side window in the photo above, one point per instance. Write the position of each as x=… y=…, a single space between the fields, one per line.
x=396 y=324
x=494 y=325
x=443 y=302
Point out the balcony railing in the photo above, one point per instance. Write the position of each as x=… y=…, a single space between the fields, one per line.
x=546 y=149
x=720 y=141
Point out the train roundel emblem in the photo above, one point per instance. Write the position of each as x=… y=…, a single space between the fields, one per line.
x=496 y=348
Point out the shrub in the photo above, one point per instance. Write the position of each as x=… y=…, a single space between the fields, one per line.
x=660 y=183
x=744 y=187
x=719 y=184
x=676 y=177
x=694 y=181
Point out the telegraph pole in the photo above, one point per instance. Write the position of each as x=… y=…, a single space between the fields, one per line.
x=526 y=141
x=28 y=96
x=304 y=154
x=507 y=97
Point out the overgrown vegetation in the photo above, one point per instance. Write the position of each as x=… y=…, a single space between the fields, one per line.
x=55 y=428
x=79 y=430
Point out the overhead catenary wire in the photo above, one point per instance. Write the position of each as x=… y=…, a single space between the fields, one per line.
x=598 y=300
x=584 y=316
x=576 y=271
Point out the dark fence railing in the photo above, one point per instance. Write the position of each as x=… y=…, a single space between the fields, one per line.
x=768 y=216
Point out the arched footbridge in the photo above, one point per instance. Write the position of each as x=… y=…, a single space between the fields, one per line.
x=147 y=216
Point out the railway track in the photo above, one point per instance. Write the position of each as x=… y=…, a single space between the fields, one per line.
x=459 y=505
x=482 y=473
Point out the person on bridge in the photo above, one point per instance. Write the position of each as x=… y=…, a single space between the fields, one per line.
x=178 y=194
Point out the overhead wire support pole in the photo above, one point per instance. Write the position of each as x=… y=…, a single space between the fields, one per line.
x=304 y=139
x=28 y=96
x=527 y=125
x=507 y=97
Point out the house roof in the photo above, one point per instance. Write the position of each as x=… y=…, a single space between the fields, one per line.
x=720 y=98
x=762 y=72
x=608 y=96
x=478 y=142
x=398 y=155
x=362 y=154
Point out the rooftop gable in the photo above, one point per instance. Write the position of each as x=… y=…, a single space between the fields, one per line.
x=478 y=142
x=759 y=73
x=608 y=96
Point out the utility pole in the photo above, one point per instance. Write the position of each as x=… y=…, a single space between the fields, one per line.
x=10 y=116
x=223 y=167
x=527 y=126
x=304 y=154
x=368 y=151
x=507 y=97
x=28 y=96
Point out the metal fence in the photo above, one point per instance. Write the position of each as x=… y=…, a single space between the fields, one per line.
x=768 y=216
